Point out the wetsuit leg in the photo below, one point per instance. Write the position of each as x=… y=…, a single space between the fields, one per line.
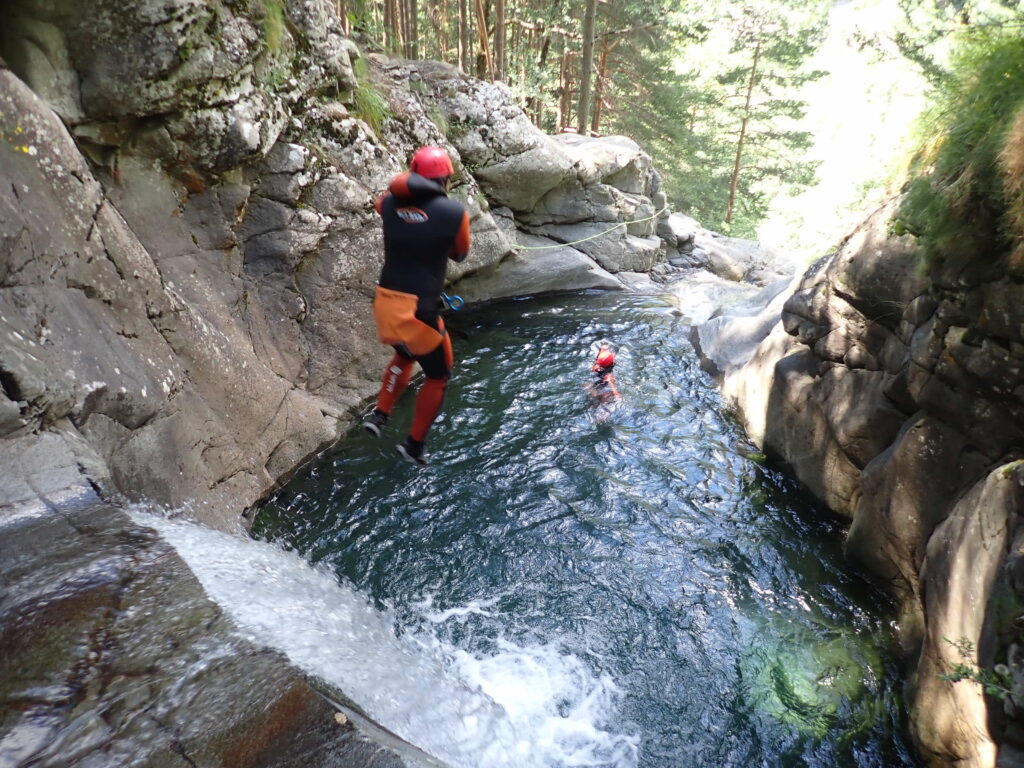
x=396 y=378
x=437 y=367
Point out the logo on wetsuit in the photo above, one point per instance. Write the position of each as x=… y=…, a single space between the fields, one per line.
x=412 y=215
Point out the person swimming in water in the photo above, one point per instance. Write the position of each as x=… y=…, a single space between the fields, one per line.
x=602 y=387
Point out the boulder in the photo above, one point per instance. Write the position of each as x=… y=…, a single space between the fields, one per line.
x=200 y=67
x=521 y=180
x=564 y=179
x=892 y=399
x=612 y=248
x=640 y=282
x=965 y=563
x=616 y=161
x=532 y=272
x=492 y=242
x=678 y=230
x=730 y=257
x=145 y=321
x=727 y=341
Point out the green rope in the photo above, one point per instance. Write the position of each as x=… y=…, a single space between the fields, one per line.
x=592 y=237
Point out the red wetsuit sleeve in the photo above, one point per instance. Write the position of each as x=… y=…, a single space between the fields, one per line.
x=460 y=248
x=399 y=186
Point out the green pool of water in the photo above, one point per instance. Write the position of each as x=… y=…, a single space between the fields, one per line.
x=701 y=598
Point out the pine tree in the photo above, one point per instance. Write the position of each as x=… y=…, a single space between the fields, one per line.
x=771 y=42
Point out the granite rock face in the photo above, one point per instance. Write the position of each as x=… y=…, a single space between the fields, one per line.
x=188 y=255
x=126 y=333
x=898 y=401
x=209 y=284
x=600 y=197
x=113 y=655
x=133 y=363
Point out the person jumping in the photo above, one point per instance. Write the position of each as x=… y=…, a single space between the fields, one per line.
x=423 y=228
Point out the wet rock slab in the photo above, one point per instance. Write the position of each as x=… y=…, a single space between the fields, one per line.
x=112 y=655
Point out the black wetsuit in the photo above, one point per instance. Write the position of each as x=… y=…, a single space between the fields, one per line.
x=423 y=228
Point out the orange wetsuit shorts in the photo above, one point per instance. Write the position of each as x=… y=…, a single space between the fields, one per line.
x=397 y=323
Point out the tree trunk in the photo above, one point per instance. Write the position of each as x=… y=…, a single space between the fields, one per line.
x=565 y=90
x=586 y=67
x=522 y=50
x=734 y=182
x=542 y=61
x=389 y=25
x=464 y=35
x=437 y=30
x=443 y=36
x=485 y=48
x=398 y=18
x=403 y=27
x=340 y=7
x=602 y=72
x=414 y=30
x=499 y=40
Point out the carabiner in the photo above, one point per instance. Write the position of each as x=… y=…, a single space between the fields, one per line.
x=454 y=303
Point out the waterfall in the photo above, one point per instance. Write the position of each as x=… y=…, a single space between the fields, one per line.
x=519 y=707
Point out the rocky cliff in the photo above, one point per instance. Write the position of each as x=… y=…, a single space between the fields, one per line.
x=188 y=253
x=899 y=401
x=189 y=242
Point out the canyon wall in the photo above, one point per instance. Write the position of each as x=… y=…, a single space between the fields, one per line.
x=898 y=400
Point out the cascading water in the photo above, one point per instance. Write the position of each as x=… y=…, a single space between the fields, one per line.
x=556 y=590
x=519 y=707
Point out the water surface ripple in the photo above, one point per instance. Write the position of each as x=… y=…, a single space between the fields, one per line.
x=647 y=582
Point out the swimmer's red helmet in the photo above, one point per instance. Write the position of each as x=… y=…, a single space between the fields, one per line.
x=605 y=359
x=431 y=163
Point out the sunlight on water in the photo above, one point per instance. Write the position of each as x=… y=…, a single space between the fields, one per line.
x=563 y=587
x=522 y=706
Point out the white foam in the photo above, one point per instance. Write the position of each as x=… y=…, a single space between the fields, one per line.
x=518 y=707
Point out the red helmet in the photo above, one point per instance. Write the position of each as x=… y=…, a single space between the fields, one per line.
x=605 y=359
x=431 y=163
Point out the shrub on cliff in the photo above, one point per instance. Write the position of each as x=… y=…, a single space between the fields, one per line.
x=963 y=201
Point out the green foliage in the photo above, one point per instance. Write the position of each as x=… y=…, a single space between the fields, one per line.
x=367 y=103
x=438 y=118
x=658 y=107
x=364 y=23
x=995 y=682
x=956 y=202
x=716 y=70
x=455 y=129
x=926 y=34
x=371 y=107
x=273 y=25
x=670 y=77
x=278 y=75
